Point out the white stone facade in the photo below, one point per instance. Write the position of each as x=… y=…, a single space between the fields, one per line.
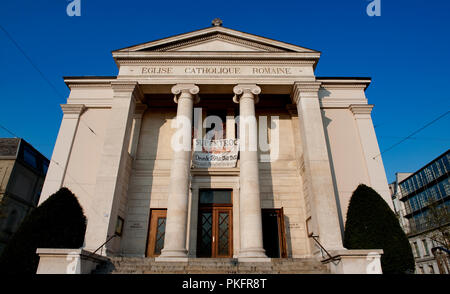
x=114 y=146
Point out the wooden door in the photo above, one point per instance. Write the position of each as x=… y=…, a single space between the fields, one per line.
x=157 y=230
x=215 y=233
x=222 y=232
x=215 y=223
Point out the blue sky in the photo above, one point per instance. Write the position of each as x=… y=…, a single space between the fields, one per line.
x=405 y=51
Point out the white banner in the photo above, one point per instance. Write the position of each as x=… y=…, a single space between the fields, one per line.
x=215 y=153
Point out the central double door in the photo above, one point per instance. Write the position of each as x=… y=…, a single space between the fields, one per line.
x=215 y=224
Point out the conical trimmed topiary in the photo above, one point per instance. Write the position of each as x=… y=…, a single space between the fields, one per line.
x=371 y=224
x=58 y=222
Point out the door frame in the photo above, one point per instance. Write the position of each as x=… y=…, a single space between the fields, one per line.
x=212 y=179
x=281 y=229
x=215 y=208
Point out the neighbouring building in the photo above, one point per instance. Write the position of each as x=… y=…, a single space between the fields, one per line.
x=399 y=206
x=116 y=150
x=422 y=203
x=22 y=174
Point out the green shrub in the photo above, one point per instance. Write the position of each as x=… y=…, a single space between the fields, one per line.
x=371 y=224
x=58 y=222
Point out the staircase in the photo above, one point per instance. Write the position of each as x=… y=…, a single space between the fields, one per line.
x=132 y=265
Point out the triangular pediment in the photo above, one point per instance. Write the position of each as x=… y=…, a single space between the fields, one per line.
x=217 y=44
x=217 y=39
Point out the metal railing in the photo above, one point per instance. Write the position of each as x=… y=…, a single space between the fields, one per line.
x=104 y=243
x=322 y=249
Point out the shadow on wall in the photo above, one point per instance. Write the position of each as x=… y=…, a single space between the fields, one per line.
x=326 y=123
x=137 y=222
x=266 y=179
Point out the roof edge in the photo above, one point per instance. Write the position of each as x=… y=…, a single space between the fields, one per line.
x=217 y=29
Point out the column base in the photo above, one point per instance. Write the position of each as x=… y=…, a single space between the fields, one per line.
x=172 y=255
x=253 y=255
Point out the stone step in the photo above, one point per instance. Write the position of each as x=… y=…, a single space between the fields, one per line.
x=132 y=265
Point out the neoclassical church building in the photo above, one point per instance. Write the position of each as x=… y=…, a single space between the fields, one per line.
x=285 y=151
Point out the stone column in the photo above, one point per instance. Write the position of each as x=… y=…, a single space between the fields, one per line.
x=63 y=147
x=111 y=184
x=250 y=222
x=319 y=183
x=177 y=203
x=369 y=144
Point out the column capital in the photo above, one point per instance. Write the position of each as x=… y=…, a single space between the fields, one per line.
x=361 y=109
x=305 y=90
x=252 y=90
x=188 y=90
x=128 y=87
x=73 y=109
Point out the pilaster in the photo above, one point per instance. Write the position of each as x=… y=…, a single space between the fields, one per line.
x=63 y=148
x=111 y=184
x=371 y=151
x=318 y=182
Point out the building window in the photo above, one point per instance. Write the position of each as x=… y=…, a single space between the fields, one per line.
x=416 y=249
x=431 y=268
x=421 y=271
x=29 y=157
x=45 y=168
x=425 y=247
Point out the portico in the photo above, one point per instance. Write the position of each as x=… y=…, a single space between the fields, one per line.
x=171 y=201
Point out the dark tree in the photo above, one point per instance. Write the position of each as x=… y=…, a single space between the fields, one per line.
x=58 y=222
x=371 y=224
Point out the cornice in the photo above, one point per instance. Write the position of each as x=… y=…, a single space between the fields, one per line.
x=344 y=86
x=305 y=89
x=361 y=108
x=89 y=85
x=312 y=86
x=128 y=87
x=86 y=82
x=213 y=61
x=344 y=83
x=73 y=109
x=119 y=56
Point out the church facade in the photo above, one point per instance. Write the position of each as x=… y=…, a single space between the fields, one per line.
x=215 y=143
